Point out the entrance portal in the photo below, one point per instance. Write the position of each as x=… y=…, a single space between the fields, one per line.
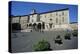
x=50 y=25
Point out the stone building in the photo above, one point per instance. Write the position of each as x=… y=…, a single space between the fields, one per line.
x=46 y=20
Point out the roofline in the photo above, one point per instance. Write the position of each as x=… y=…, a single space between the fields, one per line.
x=55 y=11
x=19 y=15
x=34 y=13
x=73 y=22
x=43 y=12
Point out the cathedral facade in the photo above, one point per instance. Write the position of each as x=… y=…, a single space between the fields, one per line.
x=46 y=20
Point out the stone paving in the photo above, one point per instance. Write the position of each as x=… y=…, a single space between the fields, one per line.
x=24 y=41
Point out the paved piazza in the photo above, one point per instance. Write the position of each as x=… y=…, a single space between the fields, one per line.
x=24 y=41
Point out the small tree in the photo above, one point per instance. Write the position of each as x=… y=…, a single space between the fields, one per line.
x=75 y=33
x=67 y=36
x=42 y=46
x=58 y=40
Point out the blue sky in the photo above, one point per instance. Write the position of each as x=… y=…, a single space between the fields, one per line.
x=25 y=8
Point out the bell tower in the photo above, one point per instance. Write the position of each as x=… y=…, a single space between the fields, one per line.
x=33 y=11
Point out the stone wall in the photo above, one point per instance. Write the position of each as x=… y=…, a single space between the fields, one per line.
x=59 y=19
x=15 y=20
x=23 y=22
x=74 y=26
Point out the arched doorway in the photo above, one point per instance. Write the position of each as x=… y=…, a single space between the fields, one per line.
x=30 y=25
x=39 y=26
x=50 y=25
x=34 y=26
x=43 y=25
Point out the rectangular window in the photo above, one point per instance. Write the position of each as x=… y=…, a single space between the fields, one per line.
x=32 y=20
x=51 y=15
x=62 y=13
x=63 y=19
x=56 y=20
x=38 y=18
x=56 y=13
x=45 y=16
